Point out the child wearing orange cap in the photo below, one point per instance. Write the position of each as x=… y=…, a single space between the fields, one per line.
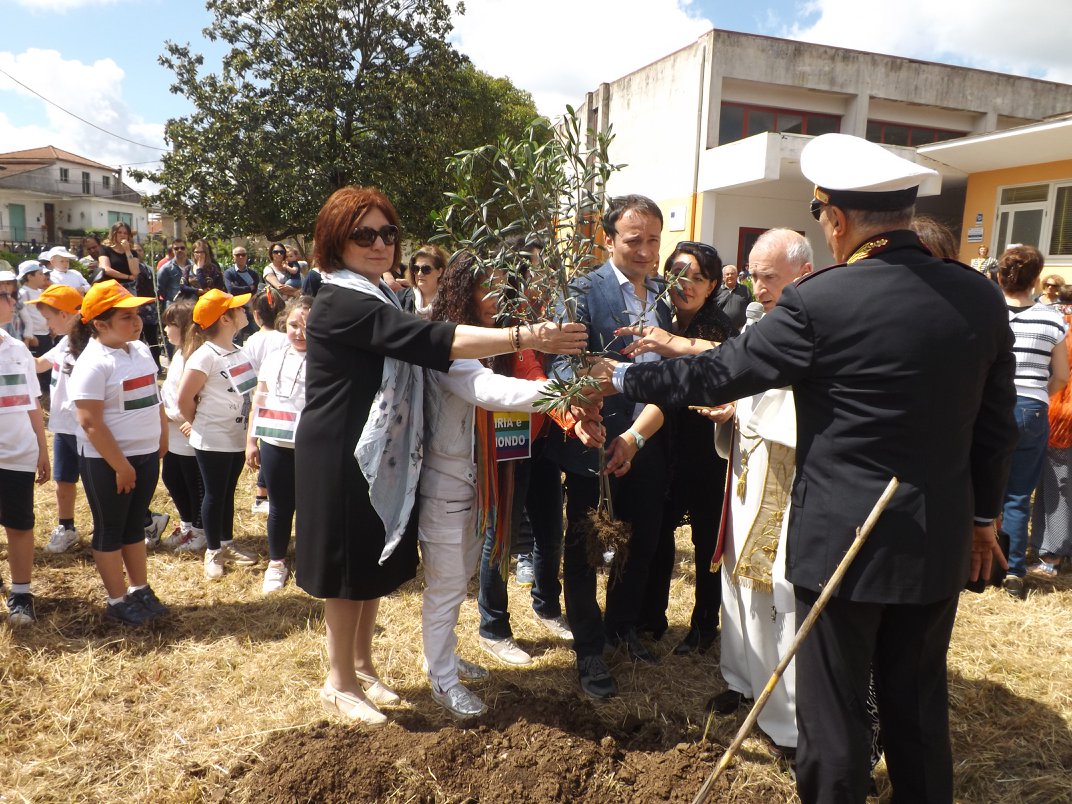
x=214 y=398
x=23 y=458
x=121 y=439
x=59 y=306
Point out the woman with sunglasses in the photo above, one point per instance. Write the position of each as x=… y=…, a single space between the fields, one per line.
x=281 y=275
x=1051 y=290
x=358 y=443
x=698 y=473
x=423 y=274
x=206 y=272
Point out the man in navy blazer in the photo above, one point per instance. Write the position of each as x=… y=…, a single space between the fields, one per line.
x=901 y=365
x=619 y=293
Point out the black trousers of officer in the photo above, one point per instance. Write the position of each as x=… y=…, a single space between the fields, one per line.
x=907 y=646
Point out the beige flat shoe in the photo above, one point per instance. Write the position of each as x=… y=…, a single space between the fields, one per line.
x=378 y=692
x=351 y=707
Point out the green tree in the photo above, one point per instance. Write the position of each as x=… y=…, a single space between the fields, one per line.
x=317 y=94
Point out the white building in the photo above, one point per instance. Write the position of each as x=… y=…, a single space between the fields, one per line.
x=713 y=132
x=45 y=191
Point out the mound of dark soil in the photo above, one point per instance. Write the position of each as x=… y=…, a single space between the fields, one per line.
x=526 y=750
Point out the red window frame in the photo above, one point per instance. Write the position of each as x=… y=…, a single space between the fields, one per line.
x=912 y=130
x=804 y=115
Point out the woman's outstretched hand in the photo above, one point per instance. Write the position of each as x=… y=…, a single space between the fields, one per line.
x=556 y=339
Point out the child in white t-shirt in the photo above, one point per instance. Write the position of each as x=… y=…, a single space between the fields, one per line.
x=180 y=473
x=213 y=397
x=120 y=439
x=23 y=459
x=277 y=406
x=61 y=273
x=59 y=306
x=267 y=307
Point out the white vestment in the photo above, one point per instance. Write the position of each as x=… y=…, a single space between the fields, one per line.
x=758 y=624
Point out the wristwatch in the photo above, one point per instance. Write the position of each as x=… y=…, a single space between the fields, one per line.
x=640 y=440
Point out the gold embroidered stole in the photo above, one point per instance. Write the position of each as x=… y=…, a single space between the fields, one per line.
x=755 y=561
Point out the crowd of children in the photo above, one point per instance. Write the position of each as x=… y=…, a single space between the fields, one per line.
x=219 y=407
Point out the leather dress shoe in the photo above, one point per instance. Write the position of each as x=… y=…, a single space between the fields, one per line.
x=695 y=641
x=726 y=703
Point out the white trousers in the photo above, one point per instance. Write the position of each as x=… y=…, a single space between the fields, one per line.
x=450 y=553
x=754 y=639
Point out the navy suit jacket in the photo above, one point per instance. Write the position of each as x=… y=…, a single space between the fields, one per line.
x=901 y=365
x=600 y=306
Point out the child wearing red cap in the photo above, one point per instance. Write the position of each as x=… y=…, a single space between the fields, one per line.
x=59 y=305
x=121 y=438
x=214 y=398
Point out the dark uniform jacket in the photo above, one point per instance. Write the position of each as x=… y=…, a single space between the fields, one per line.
x=901 y=365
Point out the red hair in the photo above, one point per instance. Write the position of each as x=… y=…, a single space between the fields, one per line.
x=339 y=217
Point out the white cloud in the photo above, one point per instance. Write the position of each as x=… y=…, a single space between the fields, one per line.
x=560 y=49
x=92 y=91
x=1028 y=37
x=62 y=5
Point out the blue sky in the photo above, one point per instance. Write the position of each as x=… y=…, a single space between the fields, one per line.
x=98 y=58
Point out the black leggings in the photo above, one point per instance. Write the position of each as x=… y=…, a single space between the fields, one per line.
x=219 y=475
x=182 y=478
x=118 y=519
x=278 y=466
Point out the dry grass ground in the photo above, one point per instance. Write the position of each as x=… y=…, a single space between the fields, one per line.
x=90 y=711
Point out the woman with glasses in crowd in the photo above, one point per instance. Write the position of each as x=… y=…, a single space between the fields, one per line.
x=206 y=272
x=281 y=275
x=423 y=274
x=697 y=473
x=357 y=454
x=1051 y=290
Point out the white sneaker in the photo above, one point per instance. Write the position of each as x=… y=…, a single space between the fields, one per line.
x=259 y=506
x=460 y=702
x=235 y=556
x=275 y=578
x=214 y=564
x=557 y=626
x=506 y=651
x=61 y=540
x=156 y=530
x=192 y=542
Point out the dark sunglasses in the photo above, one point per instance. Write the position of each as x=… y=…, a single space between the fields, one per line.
x=421 y=269
x=1050 y=285
x=277 y=251
x=365 y=236
x=816 y=208
x=179 y=248
x=708 y=251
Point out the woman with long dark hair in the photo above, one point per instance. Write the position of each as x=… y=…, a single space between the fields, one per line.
x=358 y=455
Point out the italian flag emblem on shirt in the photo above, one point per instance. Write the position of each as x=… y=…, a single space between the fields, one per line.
x=14 y=393
x=277 y=424
x=140 y=392
x=243 y=377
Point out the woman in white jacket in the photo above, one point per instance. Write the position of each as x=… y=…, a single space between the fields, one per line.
x=459 y=481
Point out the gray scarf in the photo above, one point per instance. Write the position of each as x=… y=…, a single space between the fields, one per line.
x=391 y=447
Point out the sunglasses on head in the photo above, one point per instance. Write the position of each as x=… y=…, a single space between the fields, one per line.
x=423 y=269
x=365 y=236
x=708 y=251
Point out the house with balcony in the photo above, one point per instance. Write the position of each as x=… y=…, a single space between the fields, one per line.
x=47 y=191
x=714 y=131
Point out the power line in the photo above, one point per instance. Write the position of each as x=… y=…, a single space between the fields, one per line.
x=76 y=117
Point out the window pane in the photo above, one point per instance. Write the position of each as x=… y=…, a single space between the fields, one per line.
x=730 y=124
x=1061 y=236
x=941 y=136
x=1027 y=227
x=790 y=122
x=921 y=136
x=1003 y=230
x=823 y=124
x=1025 y=195
x=874 y=131
x=895 y=135
x=759 y=121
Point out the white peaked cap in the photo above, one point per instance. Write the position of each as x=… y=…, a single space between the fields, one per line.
x=852 y=164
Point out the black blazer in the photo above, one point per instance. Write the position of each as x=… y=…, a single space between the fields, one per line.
x=600 y=306
x=901 y=365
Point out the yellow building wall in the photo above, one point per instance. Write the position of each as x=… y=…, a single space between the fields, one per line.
x=982 y=196
x=692 y=206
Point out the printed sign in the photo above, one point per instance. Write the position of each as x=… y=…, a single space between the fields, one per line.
x=15 y=393
x=243 y=378
x=140 y=392
x=975 y=234
x=513 y=436
x=276 y=424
